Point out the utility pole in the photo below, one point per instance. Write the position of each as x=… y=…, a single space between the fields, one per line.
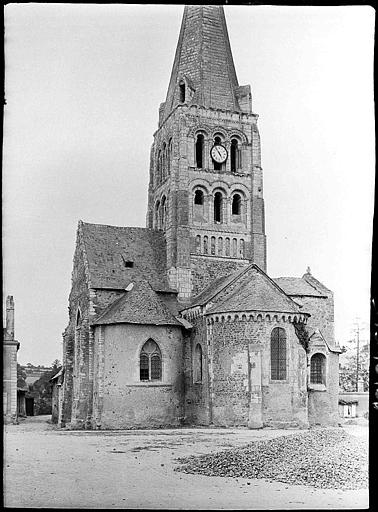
x=358 y=352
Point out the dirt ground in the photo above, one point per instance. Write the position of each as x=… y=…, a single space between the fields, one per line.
x=45 y=467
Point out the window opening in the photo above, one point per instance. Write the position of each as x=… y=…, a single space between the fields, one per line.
x=205 y=245
x=227 y=247
x=198 y=197
x=234 y=248
x=129 y=264
x=217 y=165
x=198 y=363
x=199 y=151
x=182 y=93
x=278 y=354
x=242 y=250
x=150 y=362
x=317 y=369
x=213 y=245
x=220 y=246
x=198 y=244
x=236 y=205
x=218 y=207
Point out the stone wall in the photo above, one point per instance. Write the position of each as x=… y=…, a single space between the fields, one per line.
x=121 y=400
x=197 y=406
x=240 y=349
x=205 y=270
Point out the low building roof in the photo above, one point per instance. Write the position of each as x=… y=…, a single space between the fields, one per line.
x=140 y=305
x=297 y=286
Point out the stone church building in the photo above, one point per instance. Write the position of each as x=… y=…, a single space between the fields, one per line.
x=178 y=323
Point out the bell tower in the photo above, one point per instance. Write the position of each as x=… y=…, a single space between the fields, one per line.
x=206 y=181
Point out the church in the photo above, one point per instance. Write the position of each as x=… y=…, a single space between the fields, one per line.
x=178 y=323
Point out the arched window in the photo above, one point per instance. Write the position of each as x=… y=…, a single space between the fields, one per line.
x=217 y=165
x=242 y=249
x=157 y=215
x=164 y=161
x=182 y=92
x=227 y=247
x=317 y=369
x=200 y=144
x=278 y=354
x=218 y=200
x=78 y=318
x=220 y=246
x=234 y=248
x=150 y=361
x=169 y=155
x=198 y=363
x=236 y=204
x=235 y=155
x=158 y=168
x=198 y=197
x=205 y=245
x=163 y=212
x=212 y=248
x=198 y=244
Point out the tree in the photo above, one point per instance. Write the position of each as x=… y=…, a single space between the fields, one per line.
x=42 y=390
x=348 y=368
x=21 y=377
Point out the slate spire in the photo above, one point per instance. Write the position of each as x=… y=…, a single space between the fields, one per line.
x=203 y=71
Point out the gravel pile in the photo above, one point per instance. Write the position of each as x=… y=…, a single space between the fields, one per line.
x=327 y=458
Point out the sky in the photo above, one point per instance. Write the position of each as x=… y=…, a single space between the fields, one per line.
x=83 y=84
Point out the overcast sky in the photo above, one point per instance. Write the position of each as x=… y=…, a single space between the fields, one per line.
x=83 y=87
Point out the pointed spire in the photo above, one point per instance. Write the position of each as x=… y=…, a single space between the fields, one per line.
x=203 y=71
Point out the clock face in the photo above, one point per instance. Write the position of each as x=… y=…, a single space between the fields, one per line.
x=218 y=153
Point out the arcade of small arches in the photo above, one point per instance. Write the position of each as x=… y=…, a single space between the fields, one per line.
x=217 y=207
x=220 y=246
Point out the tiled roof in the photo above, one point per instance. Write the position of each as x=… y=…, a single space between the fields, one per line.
x=140 y=305
x=215 y=287
x=257 y=292
x=297 y=286
x=109 y=247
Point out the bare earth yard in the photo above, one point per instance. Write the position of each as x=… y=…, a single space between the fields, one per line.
x=45 y=467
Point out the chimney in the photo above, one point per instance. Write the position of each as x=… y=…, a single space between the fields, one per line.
x=10 y=316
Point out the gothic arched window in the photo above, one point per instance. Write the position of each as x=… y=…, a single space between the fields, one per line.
x=198 y=363
x=227 y=247
x=163 y=213
x=218 y=203
x=212 y=244
x=234 y=248
x=157 y=215
x=150 y=361
x=278 y=354
x=200 y=144
x=317 y=369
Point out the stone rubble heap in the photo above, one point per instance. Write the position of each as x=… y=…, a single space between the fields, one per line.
x=328 y=458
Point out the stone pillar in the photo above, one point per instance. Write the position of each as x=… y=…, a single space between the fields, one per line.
x=360 y=386
x=255 y=404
